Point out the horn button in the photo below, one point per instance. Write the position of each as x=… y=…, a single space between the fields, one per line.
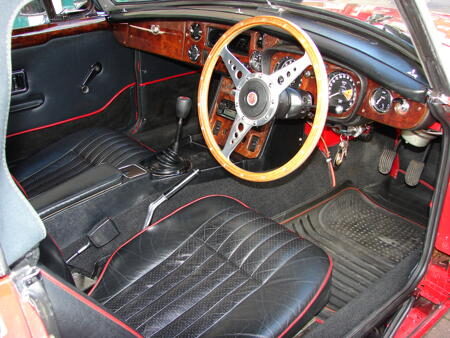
x=254 y=99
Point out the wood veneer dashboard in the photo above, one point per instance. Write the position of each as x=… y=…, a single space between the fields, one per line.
x=176 y=40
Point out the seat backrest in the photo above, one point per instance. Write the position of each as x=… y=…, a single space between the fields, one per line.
x=21 y=229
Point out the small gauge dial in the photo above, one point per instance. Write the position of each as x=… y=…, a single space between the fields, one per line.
x=381 y=100
x=341 y=91
x=255 y=61
x=195 y=30
x=286 y=61
x=193 y=53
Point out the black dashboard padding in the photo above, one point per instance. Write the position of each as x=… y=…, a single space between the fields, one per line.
x=74 y=154
x=216 y=268
x=90 y=182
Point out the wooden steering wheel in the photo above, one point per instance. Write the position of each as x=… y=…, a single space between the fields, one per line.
x=257 y=97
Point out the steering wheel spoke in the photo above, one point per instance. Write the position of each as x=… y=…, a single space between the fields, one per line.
x=282 y=78
x=238 y=130
x=235 y=67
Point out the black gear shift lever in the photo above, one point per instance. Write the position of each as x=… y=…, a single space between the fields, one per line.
x=168 y=162
x=183 y=108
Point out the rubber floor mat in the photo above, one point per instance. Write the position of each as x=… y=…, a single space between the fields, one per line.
x=364 y=239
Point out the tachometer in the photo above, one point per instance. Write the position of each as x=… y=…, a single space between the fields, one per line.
x=286 y=61
x=255 y=61
x=341 y=91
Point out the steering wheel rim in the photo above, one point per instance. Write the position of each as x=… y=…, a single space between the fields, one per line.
x=318 y=125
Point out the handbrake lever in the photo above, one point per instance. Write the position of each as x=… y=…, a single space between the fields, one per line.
x=168 y=194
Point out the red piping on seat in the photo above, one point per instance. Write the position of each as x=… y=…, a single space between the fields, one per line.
x=311 y=302
x=87 y=302
x=20 y=186
x=98 y=111
x=159 y=221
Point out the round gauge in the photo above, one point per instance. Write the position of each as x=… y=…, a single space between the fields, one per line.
x=341 y=91
x=193 y=53
x=255 y=61
x=286 y=61
x=195 y=30
x=381 y=100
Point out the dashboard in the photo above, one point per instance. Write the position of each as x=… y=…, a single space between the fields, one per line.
x=353 y=97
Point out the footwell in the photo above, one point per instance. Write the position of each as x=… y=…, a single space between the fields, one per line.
x=364 y=239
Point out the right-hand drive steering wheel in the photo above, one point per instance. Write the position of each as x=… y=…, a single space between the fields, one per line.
x=257 y=97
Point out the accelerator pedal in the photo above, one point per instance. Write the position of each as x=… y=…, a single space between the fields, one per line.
x=414 y=172
x=415 y=168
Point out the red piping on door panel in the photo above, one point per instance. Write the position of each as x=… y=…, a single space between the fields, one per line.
x=168 y=78
x=100 y=110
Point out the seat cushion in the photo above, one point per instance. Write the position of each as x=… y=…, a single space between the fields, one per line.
x=74 y=154
x=215 y=267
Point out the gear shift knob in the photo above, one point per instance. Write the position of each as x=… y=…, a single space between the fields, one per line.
x=183 y=107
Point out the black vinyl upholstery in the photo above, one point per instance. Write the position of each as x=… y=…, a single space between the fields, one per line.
x=75 y=154
x=215 y=268
x=51 y=256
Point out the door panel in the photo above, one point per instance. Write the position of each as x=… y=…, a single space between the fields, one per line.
x=55 y=72
x=53 y=104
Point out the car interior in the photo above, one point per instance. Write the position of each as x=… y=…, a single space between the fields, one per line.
x=158 y=149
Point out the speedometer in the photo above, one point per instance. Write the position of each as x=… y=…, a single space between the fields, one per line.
x=341 y=91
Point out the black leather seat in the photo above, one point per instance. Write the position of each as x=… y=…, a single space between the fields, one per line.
x=215 y=268
x=74 y=154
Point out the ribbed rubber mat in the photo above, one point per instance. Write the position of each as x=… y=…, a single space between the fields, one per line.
x=364 y=240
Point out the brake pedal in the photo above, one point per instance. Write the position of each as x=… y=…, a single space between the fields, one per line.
x=387 y=159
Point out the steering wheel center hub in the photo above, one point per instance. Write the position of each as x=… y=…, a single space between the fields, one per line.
x=252 y=98
x=255 y=101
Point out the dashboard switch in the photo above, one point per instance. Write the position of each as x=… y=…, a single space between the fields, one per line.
x=253 y=143
x=217 y=127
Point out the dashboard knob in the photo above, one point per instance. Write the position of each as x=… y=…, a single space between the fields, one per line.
x=338 y=109
x=401 y=106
